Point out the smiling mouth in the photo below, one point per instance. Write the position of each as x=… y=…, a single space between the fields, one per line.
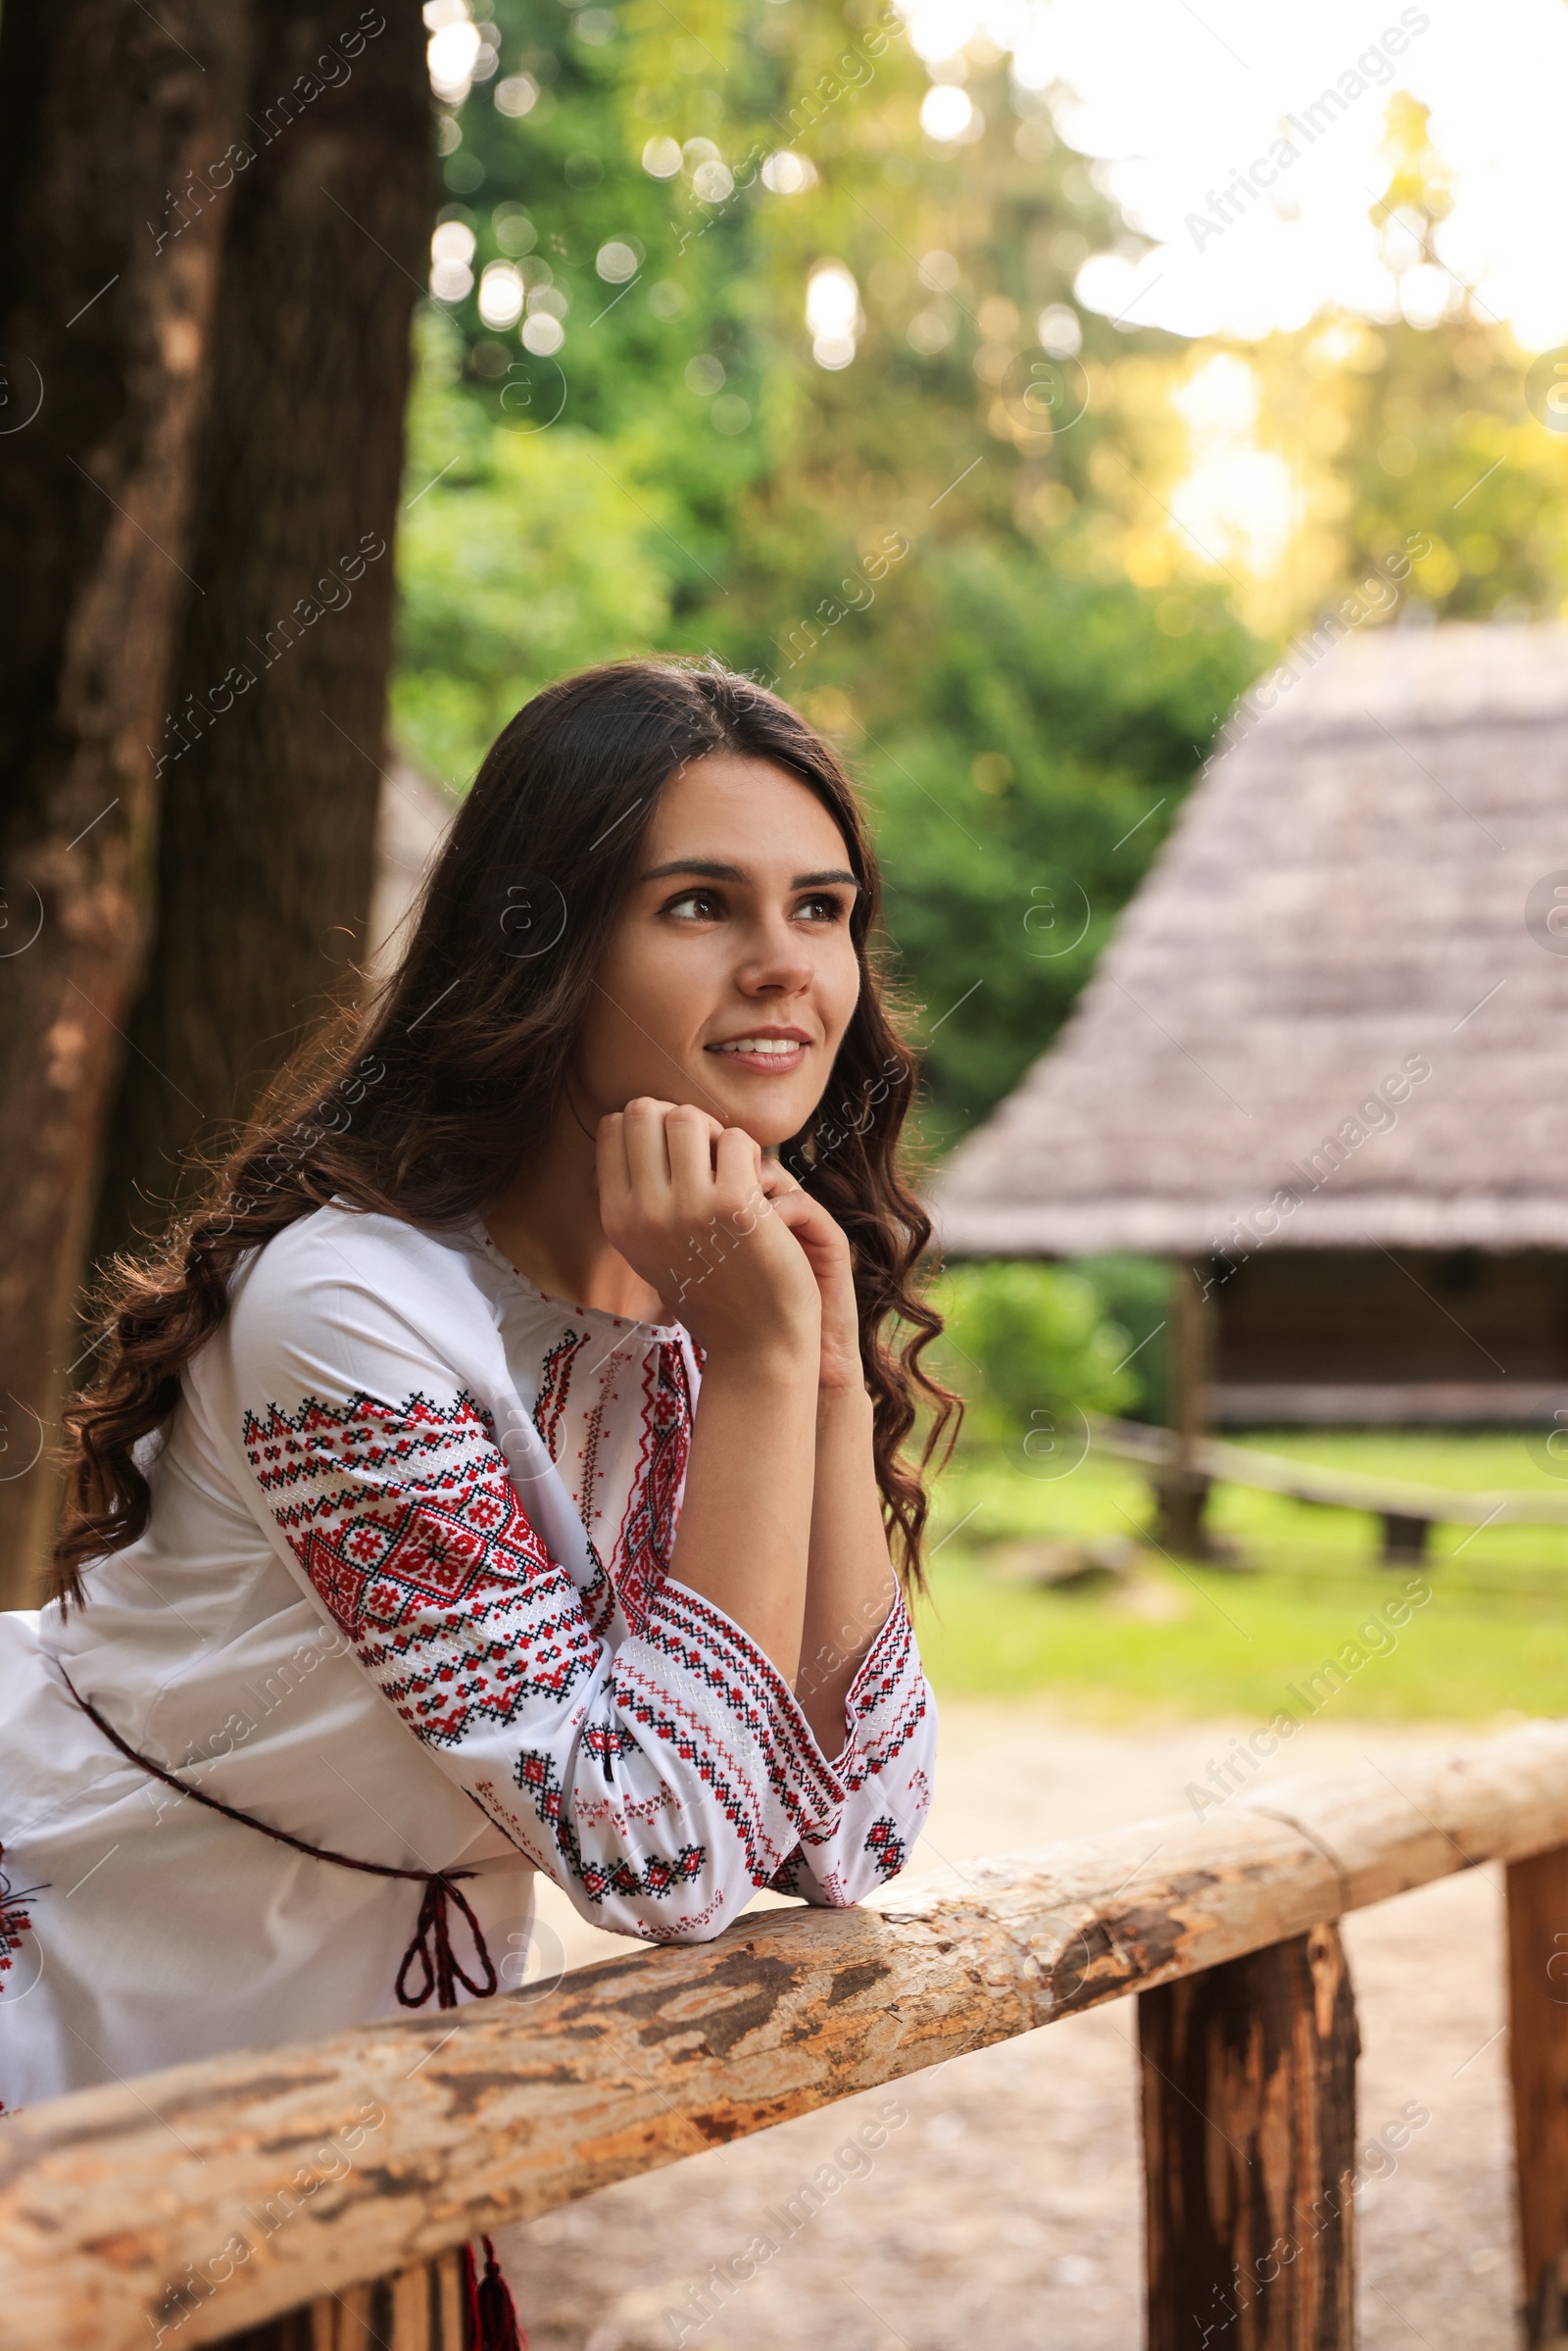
x=772 y=1056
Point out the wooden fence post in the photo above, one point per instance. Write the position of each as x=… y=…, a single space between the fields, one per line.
x=1249 y=2114
x=1181 y=1490
x=419 y=2310
x=1538 y=2065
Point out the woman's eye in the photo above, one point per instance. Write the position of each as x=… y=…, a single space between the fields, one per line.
x=826 y=908
x=695 y=905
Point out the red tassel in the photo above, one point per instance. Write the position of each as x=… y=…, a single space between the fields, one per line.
x=491 y=2313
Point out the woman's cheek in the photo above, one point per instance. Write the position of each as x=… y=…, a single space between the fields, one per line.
x=841 y=988
x=654 y=992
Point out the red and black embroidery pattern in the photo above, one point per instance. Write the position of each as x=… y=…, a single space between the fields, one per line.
x=652 y=1509
x=539 y=1777
x=408 y=1526
x=743 y=1686
x=554 y=1387
x=886 y=1846
x=16 y=1927
x=736 y=1688
x=888 y=1701
x=668 y=1776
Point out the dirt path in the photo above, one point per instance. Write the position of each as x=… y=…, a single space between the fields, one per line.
x=1003 y=2208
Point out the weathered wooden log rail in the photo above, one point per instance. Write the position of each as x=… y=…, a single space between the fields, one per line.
x=1409 y=1510
x=309 y=2198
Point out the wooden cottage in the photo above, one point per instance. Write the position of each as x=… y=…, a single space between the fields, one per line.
x=1324 y=1060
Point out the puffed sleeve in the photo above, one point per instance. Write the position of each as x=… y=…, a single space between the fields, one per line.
x=884 y=1770
x=657 y=1782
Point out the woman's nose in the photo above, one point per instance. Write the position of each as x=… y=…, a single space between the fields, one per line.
x=775 y=959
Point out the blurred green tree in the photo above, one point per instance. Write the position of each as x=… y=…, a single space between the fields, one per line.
x=533 y=561
x=739 y=358
x=1430 y=470
x=1028 y=1345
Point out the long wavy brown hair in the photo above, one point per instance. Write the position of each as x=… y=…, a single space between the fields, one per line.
x=425 y=1107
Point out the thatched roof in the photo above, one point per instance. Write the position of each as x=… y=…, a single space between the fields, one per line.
x=1345 y=895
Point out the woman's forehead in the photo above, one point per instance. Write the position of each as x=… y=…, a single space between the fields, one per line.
x=730 y=809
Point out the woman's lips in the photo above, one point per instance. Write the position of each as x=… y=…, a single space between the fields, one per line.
x=768 y=1056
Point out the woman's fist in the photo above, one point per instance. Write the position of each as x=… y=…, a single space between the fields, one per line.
x=685 y=1201
x=825 y=1245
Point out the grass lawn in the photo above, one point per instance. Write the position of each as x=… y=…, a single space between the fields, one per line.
x=1492 y=1639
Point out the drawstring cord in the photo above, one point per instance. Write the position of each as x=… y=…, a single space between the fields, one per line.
x=490 y=2315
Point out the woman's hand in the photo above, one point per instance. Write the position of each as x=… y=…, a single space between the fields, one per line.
x=686 y=1202
x=827 y=1252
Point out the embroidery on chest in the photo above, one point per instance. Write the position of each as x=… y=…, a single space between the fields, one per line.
x=555 y=1389
x=648 y=1527
x=622 y=1473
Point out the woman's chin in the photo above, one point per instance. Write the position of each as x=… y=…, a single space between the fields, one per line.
x=768 y=1123
x=767 y=1133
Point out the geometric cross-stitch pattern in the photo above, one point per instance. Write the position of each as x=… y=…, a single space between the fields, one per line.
x=408 y=1526
x=647 y=1536
x=886 y=1846
x=660 y=1780
x=582 y=1383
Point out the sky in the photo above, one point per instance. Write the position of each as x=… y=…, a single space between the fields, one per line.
x=1172 y=99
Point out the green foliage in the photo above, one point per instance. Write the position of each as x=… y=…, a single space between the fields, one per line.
x=1038 y=737
x=1441 y=449
x=904 y=543
x=1135 y=1291
x=529 y=562
x=1432 y=443
x=1028 y=1345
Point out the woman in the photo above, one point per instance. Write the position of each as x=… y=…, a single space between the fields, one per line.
x=496 y=1474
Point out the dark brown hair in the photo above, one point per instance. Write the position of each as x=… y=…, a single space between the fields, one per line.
x=426 y=1108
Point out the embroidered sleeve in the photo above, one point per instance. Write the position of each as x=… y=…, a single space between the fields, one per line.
x=657 y=1784
x=884 y=1768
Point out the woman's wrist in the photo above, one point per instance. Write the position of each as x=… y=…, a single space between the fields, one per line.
x=779 y=1359
x=844 y=1400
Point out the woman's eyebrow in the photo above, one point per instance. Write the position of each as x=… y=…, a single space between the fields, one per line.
x=711 y=870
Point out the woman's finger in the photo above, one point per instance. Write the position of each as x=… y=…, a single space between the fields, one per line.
x=775 y=1178
x=793 y=1205
x=646 y=1153
x=611 y=1163
x=737 y=1168
x=819 y=1233
x=689 y=1138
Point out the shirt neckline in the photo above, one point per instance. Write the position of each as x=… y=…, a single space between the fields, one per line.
x=598 y=1318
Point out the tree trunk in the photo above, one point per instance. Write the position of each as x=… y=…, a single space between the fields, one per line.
x=109 y=266
x=275 y=734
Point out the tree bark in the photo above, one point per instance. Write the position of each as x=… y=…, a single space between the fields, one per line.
x=1249 y=2082
x=111 y=119
x=276 y=733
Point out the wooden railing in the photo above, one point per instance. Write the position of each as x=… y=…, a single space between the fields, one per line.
x=1409 y=1510
x=310 y=2198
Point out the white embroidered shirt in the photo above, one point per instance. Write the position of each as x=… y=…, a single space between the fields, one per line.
x=404 y=1594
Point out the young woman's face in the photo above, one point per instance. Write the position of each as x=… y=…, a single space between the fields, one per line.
x=730 y=975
